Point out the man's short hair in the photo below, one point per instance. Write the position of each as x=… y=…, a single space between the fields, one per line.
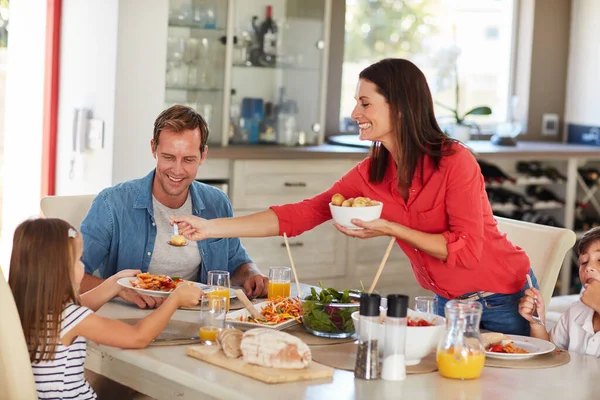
x=180 y=118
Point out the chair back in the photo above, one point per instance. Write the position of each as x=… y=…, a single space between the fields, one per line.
x=16 y=376
x=72 y=209
x=546 y=247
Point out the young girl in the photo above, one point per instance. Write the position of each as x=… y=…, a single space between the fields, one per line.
x=45 y=273
x=578 y=329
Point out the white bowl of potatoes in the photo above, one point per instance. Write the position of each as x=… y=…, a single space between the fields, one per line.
x=345 y=210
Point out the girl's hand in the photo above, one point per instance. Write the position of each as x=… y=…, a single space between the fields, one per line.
x=378 y=227
x=526 y=305
x=186 y=295
x=191 y=227
x=127 y=273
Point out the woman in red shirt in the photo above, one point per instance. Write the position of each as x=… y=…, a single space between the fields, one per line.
x=434 y=199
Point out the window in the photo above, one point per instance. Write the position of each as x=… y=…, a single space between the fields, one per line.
x=449 y=40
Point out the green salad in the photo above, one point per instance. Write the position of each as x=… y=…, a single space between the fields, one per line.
x=323 y=311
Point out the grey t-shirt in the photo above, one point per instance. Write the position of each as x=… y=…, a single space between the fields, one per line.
x=169 y=260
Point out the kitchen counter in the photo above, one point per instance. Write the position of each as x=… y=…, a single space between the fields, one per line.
x=358 y=150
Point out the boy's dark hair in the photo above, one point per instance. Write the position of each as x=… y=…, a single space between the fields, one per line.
x=588 y=238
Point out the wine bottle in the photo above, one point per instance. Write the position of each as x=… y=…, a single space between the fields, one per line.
x=505 y=196
x=591 y=176
x=554 y=174
x=491 y=173
x=268 y=33
x=542 y=194
x=530 y=168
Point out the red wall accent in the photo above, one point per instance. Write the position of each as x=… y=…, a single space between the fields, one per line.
x=54 y=10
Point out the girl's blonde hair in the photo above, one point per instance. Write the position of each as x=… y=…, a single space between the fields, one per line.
x=41 y=279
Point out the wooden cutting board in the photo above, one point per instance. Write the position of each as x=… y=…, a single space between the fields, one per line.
x=264 y=374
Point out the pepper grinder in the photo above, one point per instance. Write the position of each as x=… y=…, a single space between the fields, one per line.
x=367 y=356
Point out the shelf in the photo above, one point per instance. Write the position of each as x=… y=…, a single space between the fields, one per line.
x=177 y=24
x=523 y=180
x=191 y=89
x=540 y=205
x=277 y=67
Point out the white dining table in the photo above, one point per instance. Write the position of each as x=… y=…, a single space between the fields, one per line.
x=166 y=372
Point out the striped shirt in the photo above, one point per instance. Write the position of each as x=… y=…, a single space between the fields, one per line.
x=62 y=378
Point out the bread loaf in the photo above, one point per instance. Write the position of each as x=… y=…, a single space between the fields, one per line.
x=274 y=349
x=490 y=338
x=230 y=341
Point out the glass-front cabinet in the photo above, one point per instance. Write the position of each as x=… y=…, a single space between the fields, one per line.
x=255 y=69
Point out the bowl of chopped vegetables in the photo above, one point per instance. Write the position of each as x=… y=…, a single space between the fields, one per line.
x=329 y=313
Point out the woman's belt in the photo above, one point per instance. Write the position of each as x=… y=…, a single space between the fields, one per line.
x=474 y=296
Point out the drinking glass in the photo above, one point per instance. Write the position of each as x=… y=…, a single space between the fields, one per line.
x=426 y=304
x=213 y=310
x=220 y=282
x=279 y=282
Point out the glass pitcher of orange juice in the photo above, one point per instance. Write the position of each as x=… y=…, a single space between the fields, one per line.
x=461 y=354
x=279 y=282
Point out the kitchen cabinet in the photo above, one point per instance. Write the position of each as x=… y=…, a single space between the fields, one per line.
x=253 y=82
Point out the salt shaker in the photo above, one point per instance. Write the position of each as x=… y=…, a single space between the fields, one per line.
x=367 y=356
x=393 y=368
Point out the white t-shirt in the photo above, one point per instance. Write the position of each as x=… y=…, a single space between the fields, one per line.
x=62 y=378
x=169 y=260
x=575 y=331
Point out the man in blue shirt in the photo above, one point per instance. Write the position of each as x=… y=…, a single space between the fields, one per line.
x=128 y=225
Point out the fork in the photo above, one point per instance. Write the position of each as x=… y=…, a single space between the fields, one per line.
x=535 y=314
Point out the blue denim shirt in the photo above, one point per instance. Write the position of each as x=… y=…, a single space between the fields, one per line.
x=119 y=229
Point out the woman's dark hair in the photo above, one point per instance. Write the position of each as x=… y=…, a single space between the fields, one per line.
x=587 y=239
x=417 y=132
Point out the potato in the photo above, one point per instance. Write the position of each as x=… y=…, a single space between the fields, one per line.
x=337 y=199
x=360 y=202
x=347 y=203
x=373 y=203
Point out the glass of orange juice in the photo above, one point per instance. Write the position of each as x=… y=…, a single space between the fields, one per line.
x=220 y=282
x=213 y=310
x=279 y=282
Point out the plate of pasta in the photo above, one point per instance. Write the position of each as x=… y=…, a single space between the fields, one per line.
x=516 y=347
x=157 y=285
x=279 y=313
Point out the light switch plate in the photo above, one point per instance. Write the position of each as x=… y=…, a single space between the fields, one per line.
x=95 y=139
x=550 y=124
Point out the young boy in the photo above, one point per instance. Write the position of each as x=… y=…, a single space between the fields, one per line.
x=578 y=329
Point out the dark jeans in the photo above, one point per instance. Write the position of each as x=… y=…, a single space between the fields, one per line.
x=500 y=311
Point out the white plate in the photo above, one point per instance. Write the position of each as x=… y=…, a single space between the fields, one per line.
x=534 y=346
x=233 y=318
x=126 y=282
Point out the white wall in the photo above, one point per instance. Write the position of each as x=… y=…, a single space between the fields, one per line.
x=88 y=63
x=113 y=56
x=582 y=105
x=140 y=84
x=23 y=118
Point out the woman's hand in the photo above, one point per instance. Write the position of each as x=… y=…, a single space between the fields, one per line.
x=378 y=227
x=191 y=227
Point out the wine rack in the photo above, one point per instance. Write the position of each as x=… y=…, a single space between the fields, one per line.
x=549 y=192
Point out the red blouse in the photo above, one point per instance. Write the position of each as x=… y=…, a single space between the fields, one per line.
x=451 y=201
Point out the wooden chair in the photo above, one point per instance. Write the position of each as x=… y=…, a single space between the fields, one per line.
x=546 y=247
x=16 y=376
